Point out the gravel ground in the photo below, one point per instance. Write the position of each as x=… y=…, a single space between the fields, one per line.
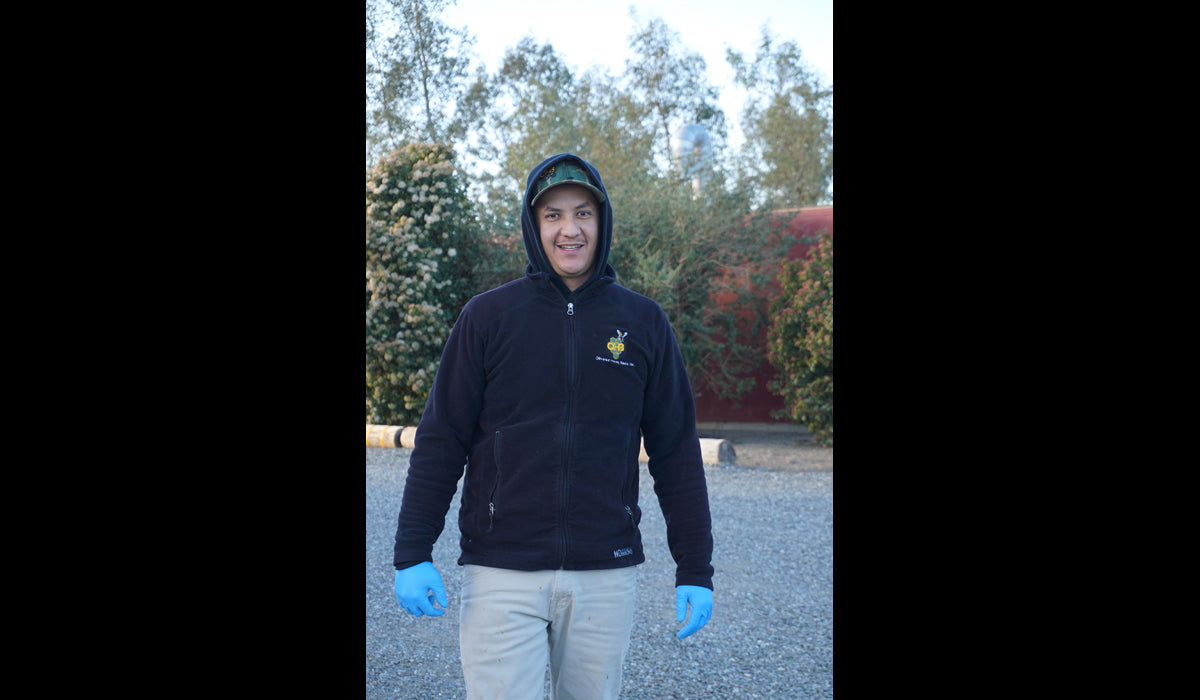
x=771 y=635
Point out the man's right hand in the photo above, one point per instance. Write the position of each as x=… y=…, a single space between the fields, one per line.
x=417 y=587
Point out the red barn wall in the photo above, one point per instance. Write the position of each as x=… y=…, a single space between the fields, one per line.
x=759 y=403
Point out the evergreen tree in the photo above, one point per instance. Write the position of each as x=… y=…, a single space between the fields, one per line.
x=419 y=248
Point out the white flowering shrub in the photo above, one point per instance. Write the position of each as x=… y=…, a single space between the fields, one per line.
x=419 y=247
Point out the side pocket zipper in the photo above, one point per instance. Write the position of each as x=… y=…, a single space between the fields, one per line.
x=496 y=484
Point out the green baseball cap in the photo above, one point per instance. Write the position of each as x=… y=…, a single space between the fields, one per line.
x=564 y=173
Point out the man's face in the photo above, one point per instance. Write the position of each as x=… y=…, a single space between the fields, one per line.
x=568 y=220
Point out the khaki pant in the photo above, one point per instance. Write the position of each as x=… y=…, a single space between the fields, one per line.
x=514 y=623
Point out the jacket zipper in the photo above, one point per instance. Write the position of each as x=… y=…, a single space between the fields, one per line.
x=571 y=372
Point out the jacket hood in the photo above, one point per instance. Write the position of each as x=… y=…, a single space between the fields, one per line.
x=538 y=264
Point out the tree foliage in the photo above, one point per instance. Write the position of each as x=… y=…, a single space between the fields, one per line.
x=418 y=273
x=800 y=340
x=415 y=74
x=672 y=85
x=516 y=118
x=788 y=122
x=696 y=258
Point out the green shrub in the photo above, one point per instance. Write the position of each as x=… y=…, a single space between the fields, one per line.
x=419 y=248
x=696 y=257
x=800 y=340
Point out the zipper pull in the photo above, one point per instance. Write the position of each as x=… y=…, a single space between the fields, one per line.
x=570 y=308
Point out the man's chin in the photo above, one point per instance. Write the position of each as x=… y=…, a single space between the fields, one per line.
x=572 y=276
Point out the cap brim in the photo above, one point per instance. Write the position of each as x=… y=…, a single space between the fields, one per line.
x=594 y=190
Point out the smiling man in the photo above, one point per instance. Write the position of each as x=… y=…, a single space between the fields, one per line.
x=547 y=388
x=566 y=207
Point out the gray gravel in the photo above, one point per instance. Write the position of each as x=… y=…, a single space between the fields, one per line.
x=771 y=635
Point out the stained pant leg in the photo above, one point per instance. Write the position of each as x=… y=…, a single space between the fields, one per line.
x=503 y=634
x=591 y=622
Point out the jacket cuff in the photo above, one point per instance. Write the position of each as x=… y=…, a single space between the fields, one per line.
x=682 y=579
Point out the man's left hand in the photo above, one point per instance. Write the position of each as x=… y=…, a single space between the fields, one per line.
x=700 y=601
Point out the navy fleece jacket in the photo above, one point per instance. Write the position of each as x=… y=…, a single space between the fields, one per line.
x=543 y=395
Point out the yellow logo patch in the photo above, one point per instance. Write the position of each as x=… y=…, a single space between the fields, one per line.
x=616 y=345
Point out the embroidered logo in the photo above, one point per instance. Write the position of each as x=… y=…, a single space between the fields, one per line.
x=616 y=345
x=618 y=553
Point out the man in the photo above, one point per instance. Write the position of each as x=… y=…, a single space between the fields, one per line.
x=546 y=389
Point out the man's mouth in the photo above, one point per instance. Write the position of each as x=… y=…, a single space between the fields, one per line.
x=571 y=246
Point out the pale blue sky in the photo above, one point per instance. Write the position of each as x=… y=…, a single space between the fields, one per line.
x=586 y=33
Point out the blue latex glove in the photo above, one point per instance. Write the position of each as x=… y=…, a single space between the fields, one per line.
x=700 y=600
x=417 y=587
